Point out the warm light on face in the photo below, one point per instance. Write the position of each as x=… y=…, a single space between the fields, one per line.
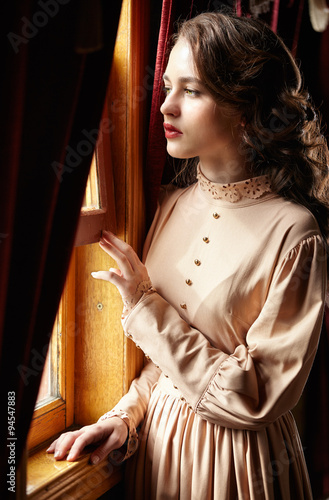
x=206 y=130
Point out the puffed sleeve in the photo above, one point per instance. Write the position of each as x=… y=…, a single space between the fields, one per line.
x=264 y=377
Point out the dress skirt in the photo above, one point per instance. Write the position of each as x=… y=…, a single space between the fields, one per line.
x=182 y=456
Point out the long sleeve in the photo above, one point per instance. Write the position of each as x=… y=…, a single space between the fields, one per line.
x=135 y=402
x=265 y=375
x=132 y=407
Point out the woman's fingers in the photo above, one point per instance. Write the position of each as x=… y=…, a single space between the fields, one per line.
x=122 y=247
x=112 y=433
x=118 y=256
x=106 y=276
x=132 y=271
x=92 y=436
x=63 y=444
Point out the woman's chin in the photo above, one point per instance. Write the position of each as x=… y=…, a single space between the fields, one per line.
x=175 y=153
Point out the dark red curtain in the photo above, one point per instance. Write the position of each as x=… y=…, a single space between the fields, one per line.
x=157 y=165
x=54 y=78
x=290 y=19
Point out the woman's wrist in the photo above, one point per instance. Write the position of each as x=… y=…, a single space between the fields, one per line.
x=130 y=301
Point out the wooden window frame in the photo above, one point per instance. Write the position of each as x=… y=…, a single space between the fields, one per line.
x=102 y=355
x=57 y=415
x=93 y=222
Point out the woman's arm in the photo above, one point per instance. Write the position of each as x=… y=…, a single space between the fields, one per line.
x=114 y=428
x=262 y=378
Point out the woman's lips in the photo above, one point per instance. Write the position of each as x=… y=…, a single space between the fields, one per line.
x=170 y=131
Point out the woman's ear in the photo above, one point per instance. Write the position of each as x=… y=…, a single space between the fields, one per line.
x=243 y=121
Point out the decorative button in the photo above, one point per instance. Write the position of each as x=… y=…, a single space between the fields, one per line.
x=129 y=336
x=206 y=240
x=188 y=282
x=182 y=398
x=167 y=376
x=138 y=346
x=183 y=305
x=147 y=357
x=215 y=215
x=197 y=262
x=175 y=386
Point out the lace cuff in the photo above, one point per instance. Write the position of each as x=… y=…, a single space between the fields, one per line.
x=130 y=301
x=131 y=444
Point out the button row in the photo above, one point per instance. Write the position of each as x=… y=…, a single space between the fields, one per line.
x=197 y=262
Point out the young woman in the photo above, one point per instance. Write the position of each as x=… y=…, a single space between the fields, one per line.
x=229 y=303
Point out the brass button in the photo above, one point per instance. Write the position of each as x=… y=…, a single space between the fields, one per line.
x=183 y=305
x=147 y=357
x=167 y=376
x=188 y=282
x=197 y=262
x=182 y=399
x=138 y=347
x=215 y=215
x=205 y=239
x=175 y=386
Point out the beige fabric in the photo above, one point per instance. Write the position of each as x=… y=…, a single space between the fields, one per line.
x=232 y=332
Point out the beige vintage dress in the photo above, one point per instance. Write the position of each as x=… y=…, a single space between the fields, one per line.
x=231 y=332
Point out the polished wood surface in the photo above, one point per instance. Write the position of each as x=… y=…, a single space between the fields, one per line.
x=49 y=479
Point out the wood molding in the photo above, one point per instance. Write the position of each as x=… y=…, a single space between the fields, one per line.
x=49 y=479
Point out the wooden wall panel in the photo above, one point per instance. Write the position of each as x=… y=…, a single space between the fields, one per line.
x=99 y=339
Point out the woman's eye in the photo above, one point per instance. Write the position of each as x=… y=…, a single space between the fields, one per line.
x=191 y=92
x=166 y=90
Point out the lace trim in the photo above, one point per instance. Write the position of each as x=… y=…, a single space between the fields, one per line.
x=251 y=188
x=118 y=456
x=130 y=302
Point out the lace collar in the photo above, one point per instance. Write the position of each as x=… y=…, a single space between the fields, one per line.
x=250 y=188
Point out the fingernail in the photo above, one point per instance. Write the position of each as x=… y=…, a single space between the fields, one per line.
x=69 y=456
x=95 y=460
x=93 y=274
x=57 y=454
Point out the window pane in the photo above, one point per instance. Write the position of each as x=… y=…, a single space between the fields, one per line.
x=45 y=384
x=91 y=199
x=49 y=387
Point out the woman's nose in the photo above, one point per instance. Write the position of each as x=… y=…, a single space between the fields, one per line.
x=170 y=105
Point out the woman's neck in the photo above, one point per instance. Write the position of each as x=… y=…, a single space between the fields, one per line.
x=223 y=172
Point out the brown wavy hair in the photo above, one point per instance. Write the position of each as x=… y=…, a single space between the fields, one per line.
x=247 y=68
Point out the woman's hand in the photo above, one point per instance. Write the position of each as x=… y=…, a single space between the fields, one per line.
x=111 y=433
x=131 y=279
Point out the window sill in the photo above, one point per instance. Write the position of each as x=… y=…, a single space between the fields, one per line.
x=50 y=479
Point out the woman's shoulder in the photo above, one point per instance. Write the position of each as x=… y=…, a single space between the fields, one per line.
x=292 y=223
x=297 y=216
x=169 y=194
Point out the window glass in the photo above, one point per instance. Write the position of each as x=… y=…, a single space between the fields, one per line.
x=91 y=199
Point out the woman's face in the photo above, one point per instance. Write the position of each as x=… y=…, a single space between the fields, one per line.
x=194 y=124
